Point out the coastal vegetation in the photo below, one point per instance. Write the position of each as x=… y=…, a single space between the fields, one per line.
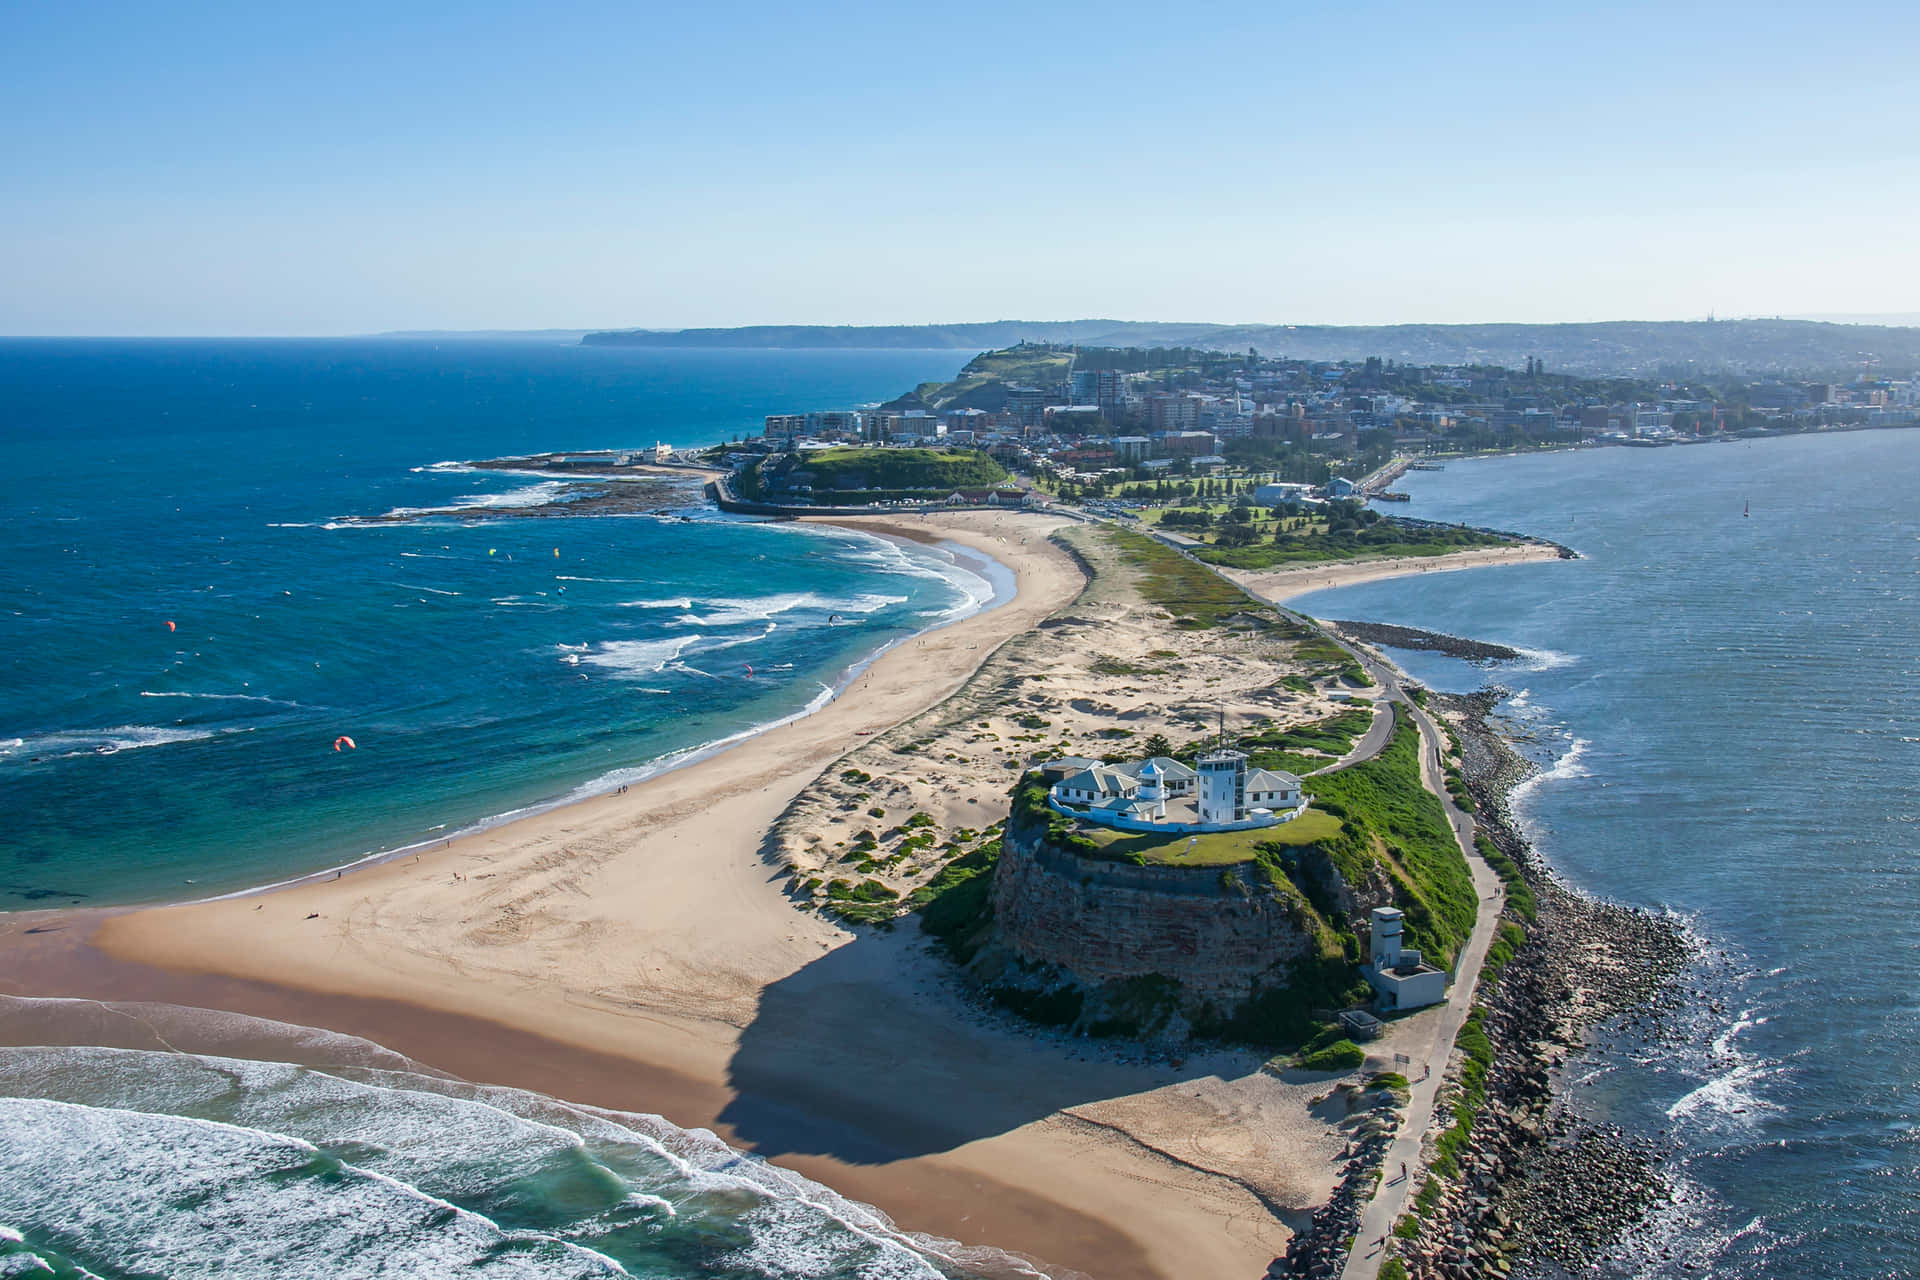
x=1303 y=748
x=1345 y=531
x=1395 y=827
x=1330 y=1050
x=1196 y=598
x=858 y=475
x=983 y=383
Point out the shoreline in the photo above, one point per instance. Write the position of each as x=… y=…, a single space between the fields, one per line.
x=651 y=930
x=1282 y=585
x=610 y=782
x=1536 y=1179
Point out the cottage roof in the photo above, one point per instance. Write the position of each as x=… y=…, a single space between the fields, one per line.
x=1271 y=780
x=1066 y=765
x=1143 y=808
x=1099 y=779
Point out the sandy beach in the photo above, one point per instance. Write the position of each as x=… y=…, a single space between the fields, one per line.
x=1280 y=585
x=641 y=950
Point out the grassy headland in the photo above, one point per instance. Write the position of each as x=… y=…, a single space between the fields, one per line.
x=983 y=383
x=855 y=475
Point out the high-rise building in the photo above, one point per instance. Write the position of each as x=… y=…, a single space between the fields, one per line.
x=1027 y=405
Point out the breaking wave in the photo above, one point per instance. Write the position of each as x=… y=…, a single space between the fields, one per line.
x=130 y=1160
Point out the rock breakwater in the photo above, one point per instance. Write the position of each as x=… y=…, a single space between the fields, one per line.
x=1536 y=1188
x=1432 y=641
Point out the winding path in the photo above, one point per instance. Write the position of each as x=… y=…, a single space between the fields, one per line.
x=1395 y=1192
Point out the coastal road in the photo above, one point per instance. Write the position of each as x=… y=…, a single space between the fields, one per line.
x=1392 y=1196
x=1395 y=1192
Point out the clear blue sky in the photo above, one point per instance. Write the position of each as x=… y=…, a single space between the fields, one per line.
x=194 y=168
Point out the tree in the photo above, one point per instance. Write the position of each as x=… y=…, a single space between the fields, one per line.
x=1156 y=745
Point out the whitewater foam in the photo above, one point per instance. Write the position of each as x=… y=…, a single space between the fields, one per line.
x=538 y=494
x=69 y=744
x=1567 y=766
x=166 y=1161
x=636 y=657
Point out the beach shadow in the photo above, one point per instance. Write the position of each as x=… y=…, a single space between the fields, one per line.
x=850 y=1058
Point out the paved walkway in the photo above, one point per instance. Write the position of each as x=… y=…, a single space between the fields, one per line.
x=1395 y=1192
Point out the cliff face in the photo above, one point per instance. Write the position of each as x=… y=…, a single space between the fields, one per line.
x=1210 y=930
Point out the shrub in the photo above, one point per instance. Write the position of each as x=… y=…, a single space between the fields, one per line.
x=1341 y=1055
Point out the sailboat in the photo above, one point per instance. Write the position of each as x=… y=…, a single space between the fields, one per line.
x=1747 y=508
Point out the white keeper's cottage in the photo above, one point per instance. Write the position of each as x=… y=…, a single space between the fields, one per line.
x=1160 y=793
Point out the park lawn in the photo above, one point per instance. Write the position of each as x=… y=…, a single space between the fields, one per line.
x=1214 y=849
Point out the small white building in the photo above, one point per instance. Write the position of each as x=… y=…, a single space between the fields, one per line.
x=1402 y=979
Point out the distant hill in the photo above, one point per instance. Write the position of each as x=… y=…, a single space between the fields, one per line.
x=567 y=336
x=1785 y=347
x=966 y=337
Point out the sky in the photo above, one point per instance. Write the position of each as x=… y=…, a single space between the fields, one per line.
x=250 y=169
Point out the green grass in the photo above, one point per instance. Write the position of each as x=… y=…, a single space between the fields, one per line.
x=1384 y=539
x=1473 y=1043
x=954 y=904
x=1334 y=736
x=1341 y=1055
x=867 y=475
x=1384 y=799
x=1216 y=848
x=1266 y=555
x=974 y=386
x=1520 y=899
x=1501 y=950
x=1195 y=596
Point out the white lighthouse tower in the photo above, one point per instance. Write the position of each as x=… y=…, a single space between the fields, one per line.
x=1153 y=790
x=1223 y=790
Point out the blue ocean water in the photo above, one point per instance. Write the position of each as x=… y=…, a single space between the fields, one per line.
x=481 y=663
x=1726 y=711
x=479 y=666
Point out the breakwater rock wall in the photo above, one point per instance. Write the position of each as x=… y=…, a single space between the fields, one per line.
x=1219 y=932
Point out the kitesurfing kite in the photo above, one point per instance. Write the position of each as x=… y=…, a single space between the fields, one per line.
x=170 y=625
x=344 y=741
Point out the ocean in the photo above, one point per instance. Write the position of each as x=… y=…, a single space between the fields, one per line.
x=195 y=611
x=191 y=621
x=1725 y=714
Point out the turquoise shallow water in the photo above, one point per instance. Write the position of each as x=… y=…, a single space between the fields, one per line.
x=478 y=667
x=1726 y=715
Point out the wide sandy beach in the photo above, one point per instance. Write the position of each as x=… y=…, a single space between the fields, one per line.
x=1279 y=585
x=640 y=951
